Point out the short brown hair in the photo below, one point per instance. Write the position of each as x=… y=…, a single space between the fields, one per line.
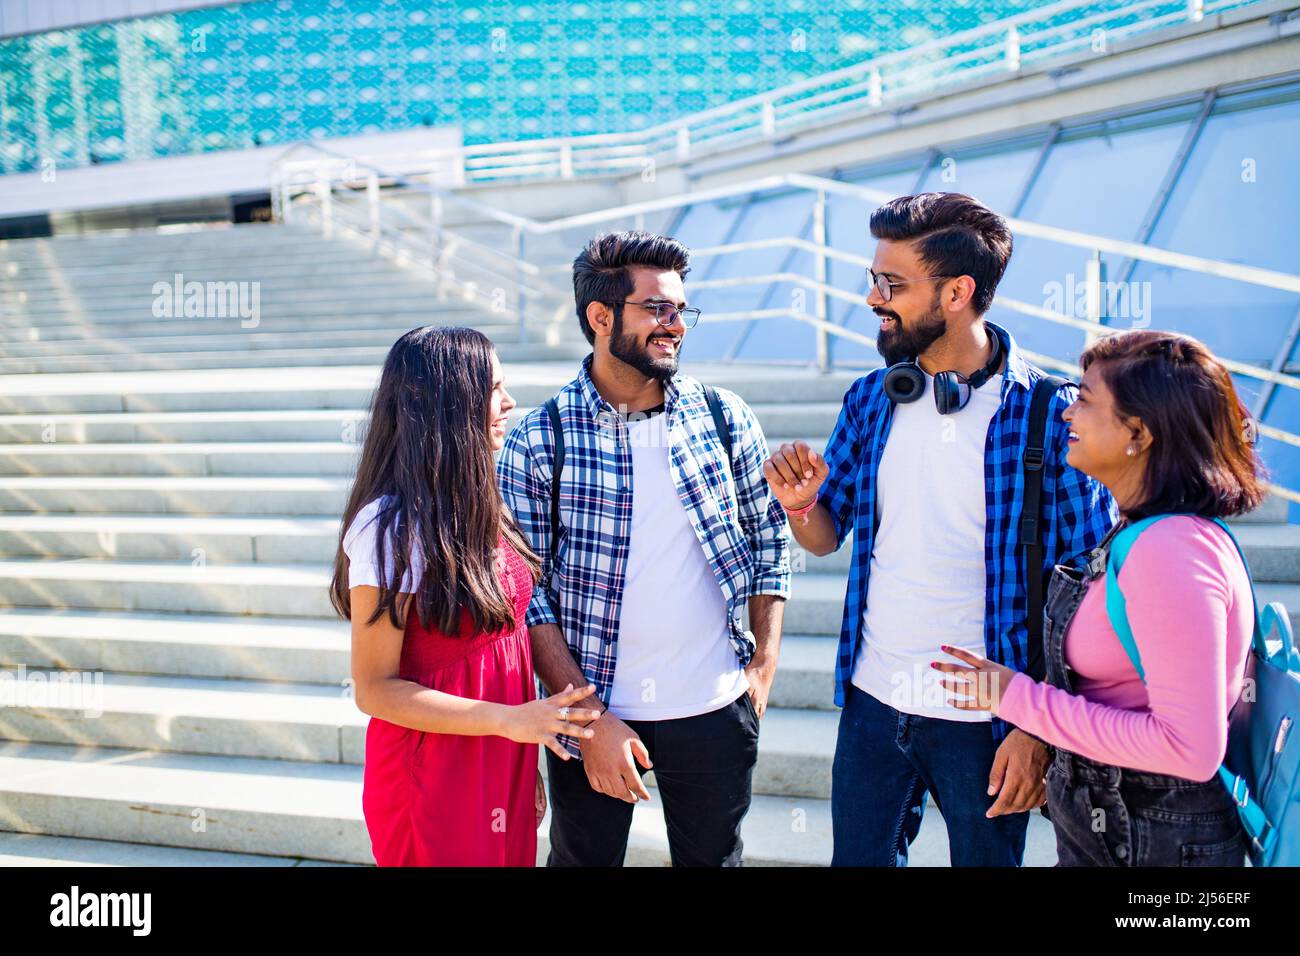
x=1201 y=461
x=953 y=234
x=602 y=272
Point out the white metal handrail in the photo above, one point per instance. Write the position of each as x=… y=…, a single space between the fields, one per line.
x=818 y=188
x=326 y=178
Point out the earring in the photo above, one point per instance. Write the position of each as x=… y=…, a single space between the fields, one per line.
x=1130 y=451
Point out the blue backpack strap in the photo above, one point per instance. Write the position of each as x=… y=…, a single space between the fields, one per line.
x=1116 y=607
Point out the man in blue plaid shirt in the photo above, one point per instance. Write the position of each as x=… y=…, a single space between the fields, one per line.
x=664 y=538
x=925 y=469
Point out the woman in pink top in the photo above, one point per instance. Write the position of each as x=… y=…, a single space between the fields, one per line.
x=1134 y=782
x=436 y=577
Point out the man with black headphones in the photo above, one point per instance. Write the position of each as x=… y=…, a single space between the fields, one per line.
x=948 y=467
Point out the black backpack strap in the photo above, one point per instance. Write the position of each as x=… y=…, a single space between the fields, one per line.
x=557 y=467
x=720 y=423
x=1030 y=528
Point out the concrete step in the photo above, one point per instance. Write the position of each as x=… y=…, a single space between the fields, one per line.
x=176 y=495
x=35 y=849
x=299 y=590
x=346 y=386
x=816 y=604
x=138 y=328
x=805 y=674
x=180 y=458
x=221 y=540
x=275 y=590
x=261 y=359
x=240 y=805
x=279 y=649
x=282 y=590
x=285 y=650
x=208 y=262
x=367 y=331
x=127 y=328
x=310 y=722
x=382 y=290
x=107 y=427
x=313 y=811
x=64 y=289
x=198 y=238
x=288 y=425
x=265 y=358
x=261 y=339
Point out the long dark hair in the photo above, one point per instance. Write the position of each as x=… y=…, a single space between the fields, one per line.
x=428 y=456
x=1201 y=461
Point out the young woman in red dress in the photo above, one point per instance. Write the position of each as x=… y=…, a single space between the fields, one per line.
x=436 y=577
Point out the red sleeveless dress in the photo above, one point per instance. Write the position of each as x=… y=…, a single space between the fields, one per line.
x=446 y=799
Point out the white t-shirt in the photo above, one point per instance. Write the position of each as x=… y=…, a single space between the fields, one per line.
x=675 y=658
x=359 y=546
x=927 y=585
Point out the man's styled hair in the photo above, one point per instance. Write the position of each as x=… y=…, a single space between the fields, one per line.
x=603 y=270
x=953 y=234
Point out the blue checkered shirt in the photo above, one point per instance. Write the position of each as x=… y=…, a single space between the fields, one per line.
x=740 y=525
x=1076 y=510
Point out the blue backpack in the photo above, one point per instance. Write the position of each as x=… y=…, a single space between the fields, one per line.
x=1262 y=766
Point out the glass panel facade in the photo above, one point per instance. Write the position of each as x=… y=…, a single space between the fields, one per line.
x=1234 y=200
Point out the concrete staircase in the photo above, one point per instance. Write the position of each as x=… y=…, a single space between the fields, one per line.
x=168 y=506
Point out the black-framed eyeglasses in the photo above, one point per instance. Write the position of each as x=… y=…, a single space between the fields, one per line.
x=665 y=313
x=885 y=285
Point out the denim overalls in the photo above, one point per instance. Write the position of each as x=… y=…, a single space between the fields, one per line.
x=1111 y=816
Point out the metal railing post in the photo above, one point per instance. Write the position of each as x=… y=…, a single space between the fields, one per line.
x=372 y=202
x=819 y=273
x=521 y=294
x=683 y=144
x=325 y=195
x=435 y=241
x=1092 y=298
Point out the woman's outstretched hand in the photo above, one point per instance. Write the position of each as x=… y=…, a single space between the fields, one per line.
x=540 y=721
x=983 y=681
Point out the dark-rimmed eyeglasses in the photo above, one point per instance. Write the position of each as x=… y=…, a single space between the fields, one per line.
x=666 y=313
x=885 y=285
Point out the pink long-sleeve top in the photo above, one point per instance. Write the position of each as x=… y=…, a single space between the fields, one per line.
x=1189 y=605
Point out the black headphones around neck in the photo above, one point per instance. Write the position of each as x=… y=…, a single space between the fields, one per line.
x=905 y=381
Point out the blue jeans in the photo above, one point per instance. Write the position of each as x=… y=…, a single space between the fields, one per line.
x=886 y=761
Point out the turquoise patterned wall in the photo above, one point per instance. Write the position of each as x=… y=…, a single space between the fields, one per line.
x=278 y=71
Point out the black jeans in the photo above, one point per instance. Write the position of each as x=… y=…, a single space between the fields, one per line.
x=1109 y=816
x=703 y=768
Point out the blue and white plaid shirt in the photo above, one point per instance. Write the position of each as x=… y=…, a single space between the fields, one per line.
x=741 y=526
x=1076 y=510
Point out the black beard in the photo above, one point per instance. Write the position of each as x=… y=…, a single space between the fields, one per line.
x=901 y=344
x=628 y=349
